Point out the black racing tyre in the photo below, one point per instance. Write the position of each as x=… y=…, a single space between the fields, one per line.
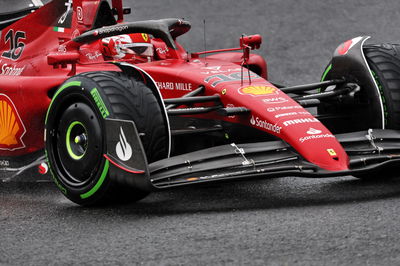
x=75 y=140
x=384 y=62
x=326 y=108
x=349 y=116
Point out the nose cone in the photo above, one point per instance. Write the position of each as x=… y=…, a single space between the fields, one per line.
x=317 y=145
x=328 y=155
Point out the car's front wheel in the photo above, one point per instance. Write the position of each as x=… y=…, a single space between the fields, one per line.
x=75 y=134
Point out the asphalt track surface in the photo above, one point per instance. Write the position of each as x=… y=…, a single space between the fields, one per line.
x=289 y=221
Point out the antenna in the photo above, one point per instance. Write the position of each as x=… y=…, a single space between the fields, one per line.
x=205 y=40
x=246 y=55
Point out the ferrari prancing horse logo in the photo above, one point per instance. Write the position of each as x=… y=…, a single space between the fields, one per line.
x=11 y=127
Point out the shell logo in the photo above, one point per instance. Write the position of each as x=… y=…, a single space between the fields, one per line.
x=258 y=90
x=11 y=127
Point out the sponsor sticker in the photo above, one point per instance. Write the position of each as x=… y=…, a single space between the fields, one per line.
x=62 y=48
x=43 y=168
x=265 y=125
x=123 y=148
x=275 y=100
x=258 y=90
x=11 y=70
x=217 y=70
x=313 y=131
x=112 y=29
x=99 y=102
x=4 y=163
x=162 y=51
x=175 y=86
x=291 y=114
x=283 y=108
x=313 y=137
x=286 y=114
x=79 y=13
x=300 y=121
x=11 y=127
x=345 y=47
x=93 y=56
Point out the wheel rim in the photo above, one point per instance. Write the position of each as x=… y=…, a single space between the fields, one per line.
x=76 y=140
x=78 y=144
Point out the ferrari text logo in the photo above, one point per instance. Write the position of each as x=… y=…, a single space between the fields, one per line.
x=258 y=90
x=11 y=127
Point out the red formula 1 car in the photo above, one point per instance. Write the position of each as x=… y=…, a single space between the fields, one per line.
x=125 y=110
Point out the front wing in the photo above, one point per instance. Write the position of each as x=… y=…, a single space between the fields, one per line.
x=369 y=152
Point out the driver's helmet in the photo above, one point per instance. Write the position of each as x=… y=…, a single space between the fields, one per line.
x=136 y=46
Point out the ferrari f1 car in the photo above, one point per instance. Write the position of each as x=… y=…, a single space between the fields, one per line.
x=125 y=110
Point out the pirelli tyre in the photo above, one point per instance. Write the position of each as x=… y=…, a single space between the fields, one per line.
x=384 y=62
x=75 y=140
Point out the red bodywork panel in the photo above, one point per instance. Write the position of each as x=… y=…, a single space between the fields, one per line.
x=35 y=61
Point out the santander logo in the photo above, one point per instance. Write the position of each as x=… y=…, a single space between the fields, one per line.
x=345 y=47
x=123 y=148
x=252 y=121
x=313 y=131
x=265 y=125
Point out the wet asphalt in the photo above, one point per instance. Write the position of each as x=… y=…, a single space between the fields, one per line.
x=288 y=221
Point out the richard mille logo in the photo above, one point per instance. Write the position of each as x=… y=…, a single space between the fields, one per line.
x=123 y=148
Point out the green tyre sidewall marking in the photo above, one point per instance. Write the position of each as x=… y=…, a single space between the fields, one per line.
x=63 y=87
x=96 y=185
x=59 y=186
x=381 y=94
x=99 y=182
x=327 y=70
x=99 y=102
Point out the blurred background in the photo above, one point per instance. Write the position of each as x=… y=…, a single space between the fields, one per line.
x=299 y=37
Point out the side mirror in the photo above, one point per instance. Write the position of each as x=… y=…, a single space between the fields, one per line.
x=251 y=41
